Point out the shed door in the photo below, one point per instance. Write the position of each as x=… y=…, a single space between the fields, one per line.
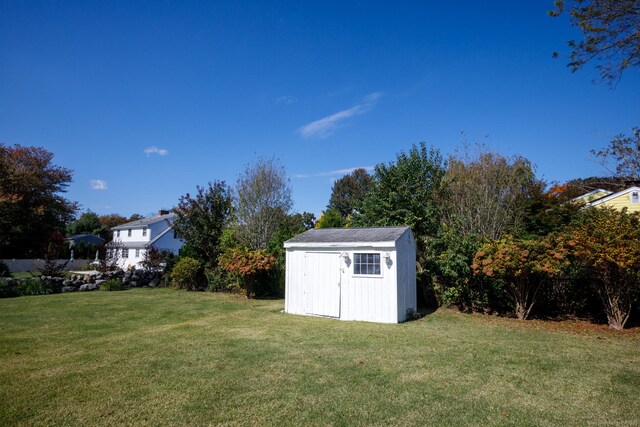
x=322 y=283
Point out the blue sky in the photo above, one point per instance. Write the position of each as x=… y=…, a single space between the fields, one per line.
x=146 y=100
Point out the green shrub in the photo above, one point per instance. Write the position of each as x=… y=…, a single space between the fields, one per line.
x=34 y=287
x=188 y=273
x=112 y=285
x=8 y=289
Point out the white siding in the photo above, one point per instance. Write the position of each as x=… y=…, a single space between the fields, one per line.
x=384 y=298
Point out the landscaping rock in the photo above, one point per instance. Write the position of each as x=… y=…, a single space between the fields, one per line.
x=69 y=289
x=88 y=287
x=99 y=282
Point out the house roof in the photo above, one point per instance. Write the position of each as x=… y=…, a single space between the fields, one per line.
x=590 y=193
x=349 y=235
x=144 y=222
x=86 y=238
x=613 y=196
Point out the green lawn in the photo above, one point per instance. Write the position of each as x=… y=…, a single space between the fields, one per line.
x=159 y=356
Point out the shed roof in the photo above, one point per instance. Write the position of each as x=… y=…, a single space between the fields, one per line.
x=349 y=235
x=144 y=221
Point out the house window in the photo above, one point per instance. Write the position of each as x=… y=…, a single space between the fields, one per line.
x=635 y=197
x=144 y=232
x=129 y=232
x=117 y=233
x=175 y=234
x=366 y=264
x=125 y=253
x=137 y=253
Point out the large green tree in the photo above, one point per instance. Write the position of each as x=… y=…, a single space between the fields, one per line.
x=348 y=193
x=409 y=192
x=200 y=220
x=32 y=207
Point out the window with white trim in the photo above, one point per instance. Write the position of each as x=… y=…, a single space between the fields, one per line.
x=125 y=253
x=368 y=264
x=144 y=232
x=117 y=233
x=635 y=197
x=129 y=233
x=137 y=253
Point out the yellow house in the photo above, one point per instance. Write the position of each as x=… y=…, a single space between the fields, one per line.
x=628 y=198
x=596 y=194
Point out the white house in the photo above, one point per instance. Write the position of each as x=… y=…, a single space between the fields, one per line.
x=134 y=238
x=352 y=273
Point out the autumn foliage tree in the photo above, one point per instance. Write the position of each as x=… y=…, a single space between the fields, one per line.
x=31 y=203
x=606 y=242
x=250 y=266
x=523 y=265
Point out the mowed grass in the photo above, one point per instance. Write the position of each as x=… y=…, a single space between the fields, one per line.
x=165 y=357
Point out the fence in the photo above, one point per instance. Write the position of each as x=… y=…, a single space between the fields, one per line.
x=20 y=265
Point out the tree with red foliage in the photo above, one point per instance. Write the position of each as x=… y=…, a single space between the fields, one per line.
x=250 y=266
x=31 y=205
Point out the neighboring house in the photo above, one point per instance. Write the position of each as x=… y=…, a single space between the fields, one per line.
x=352 y=273
x=628 y=198
x=133 y=239
x=86 y=239
x=596 y=194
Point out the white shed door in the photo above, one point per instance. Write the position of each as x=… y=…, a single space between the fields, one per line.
x=322 y=283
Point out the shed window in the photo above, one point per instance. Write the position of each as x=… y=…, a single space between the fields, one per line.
x=635 y=197
x=366 y=264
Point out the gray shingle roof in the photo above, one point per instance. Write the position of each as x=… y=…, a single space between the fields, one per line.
x=145 y=221
x=349 y=235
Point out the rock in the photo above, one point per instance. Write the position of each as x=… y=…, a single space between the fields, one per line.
x=67 y=282
x=99 y=282
x=133 y=284
x=88 y=287
x=155 y=281
x=69 y=289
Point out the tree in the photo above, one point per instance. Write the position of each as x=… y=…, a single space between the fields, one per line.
x=624 y=151
x=611 y=30
x=349 y=191
x=523 y=265
x=107 y=222
x=87 y=223
x=200 y=220
x=409 y=191
x=607 y=244
x=331 y=218
x=487 y=192
x=31 y=204
x=406 y=192
x=263 y=200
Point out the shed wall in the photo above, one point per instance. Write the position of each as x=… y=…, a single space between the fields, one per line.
x=367 y=298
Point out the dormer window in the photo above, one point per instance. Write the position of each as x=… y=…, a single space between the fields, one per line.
x=635 y=197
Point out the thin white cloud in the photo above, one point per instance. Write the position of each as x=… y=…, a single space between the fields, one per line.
x=99 y=184
x=327 y=125
x=155 y=150
x=285 y=100
x=335 y=173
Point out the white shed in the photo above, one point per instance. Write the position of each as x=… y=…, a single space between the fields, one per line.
x=352 y=273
